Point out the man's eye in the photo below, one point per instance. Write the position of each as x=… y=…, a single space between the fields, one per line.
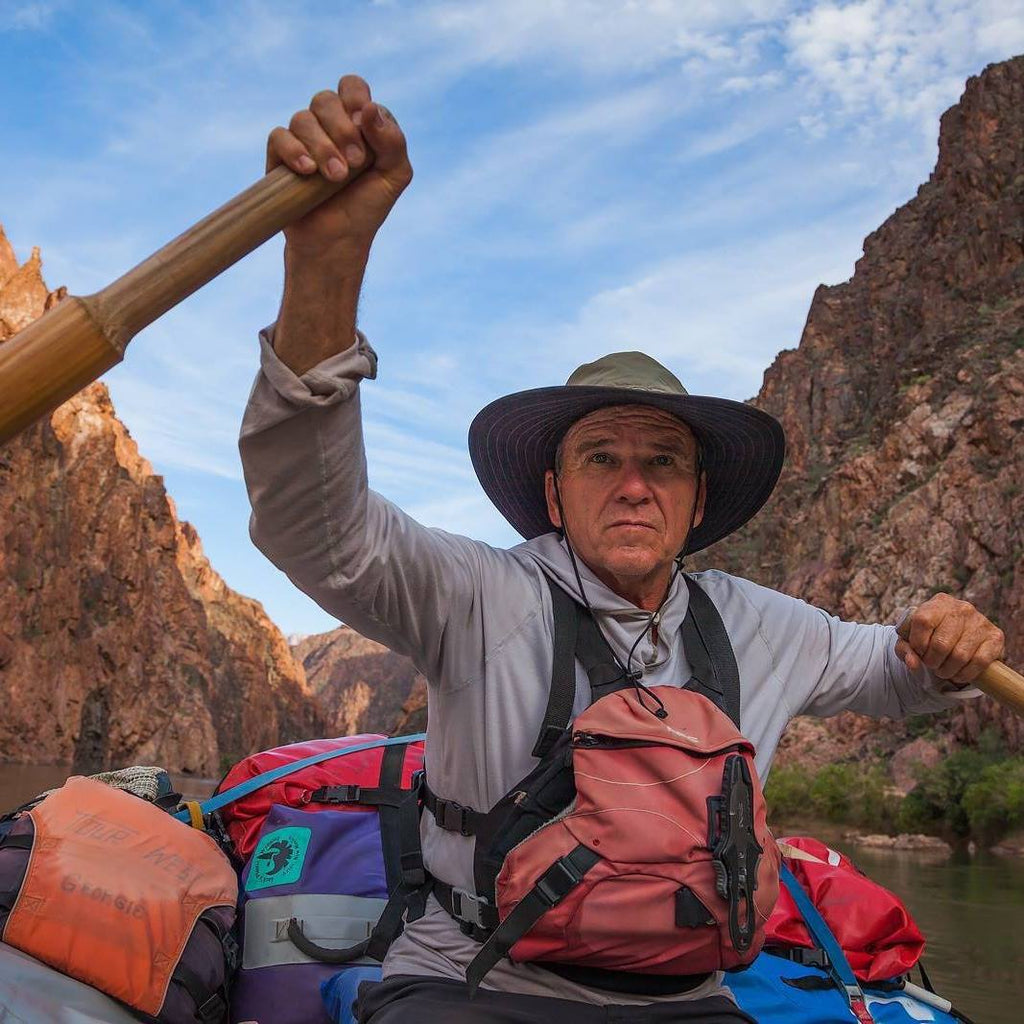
x=601 y=457
x=663 y=460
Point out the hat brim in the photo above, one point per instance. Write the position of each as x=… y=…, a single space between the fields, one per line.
x=513 y=441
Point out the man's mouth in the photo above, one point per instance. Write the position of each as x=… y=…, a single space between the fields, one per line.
x=636 y=523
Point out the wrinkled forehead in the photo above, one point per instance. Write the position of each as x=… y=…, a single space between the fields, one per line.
x=615 y=422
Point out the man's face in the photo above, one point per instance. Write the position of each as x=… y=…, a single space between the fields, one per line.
x=628 y=482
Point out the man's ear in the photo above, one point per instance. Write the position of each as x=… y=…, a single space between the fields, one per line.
x=552 y=499
x=702 y=494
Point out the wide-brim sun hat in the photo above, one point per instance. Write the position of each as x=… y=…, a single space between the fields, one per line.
x=513 y=440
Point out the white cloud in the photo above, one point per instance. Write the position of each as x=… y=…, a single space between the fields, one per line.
x=897 y=61
x=32 y=16
x=598 y=36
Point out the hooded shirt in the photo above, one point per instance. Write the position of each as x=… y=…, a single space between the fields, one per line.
x=477 y=622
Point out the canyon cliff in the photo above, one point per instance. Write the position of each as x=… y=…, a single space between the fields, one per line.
x=362 y=685
x=119 y=644
x=904 y=407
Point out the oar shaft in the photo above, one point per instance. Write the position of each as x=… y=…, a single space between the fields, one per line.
x=205 y=250
x=47 y=362
x=1006 y=686
x=81 y=338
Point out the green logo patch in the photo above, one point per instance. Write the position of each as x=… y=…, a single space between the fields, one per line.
x=278 y=858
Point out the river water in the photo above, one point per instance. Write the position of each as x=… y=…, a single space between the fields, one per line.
x=970 y=909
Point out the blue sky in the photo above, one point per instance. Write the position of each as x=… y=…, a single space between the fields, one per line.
x=590 y=176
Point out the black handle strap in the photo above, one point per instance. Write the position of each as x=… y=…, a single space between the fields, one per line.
x=324 y=954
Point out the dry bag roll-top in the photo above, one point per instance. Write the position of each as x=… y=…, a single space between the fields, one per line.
x=111 y=890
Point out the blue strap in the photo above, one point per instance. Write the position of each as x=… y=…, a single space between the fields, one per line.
x=822 y=935
x=215 y=803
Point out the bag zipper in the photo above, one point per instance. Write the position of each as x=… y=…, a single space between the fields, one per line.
x=594 y=740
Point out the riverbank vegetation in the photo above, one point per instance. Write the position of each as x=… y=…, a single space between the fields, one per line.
x=974 y=793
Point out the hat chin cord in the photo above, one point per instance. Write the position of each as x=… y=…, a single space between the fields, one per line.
x=631 y=676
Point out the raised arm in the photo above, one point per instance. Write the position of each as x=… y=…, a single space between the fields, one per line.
x=358 y=556
x=326 y=251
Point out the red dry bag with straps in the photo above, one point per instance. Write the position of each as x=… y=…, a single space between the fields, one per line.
x=360 y=773
x=874 y=928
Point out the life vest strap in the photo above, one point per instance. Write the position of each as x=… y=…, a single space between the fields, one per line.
x=550 y=889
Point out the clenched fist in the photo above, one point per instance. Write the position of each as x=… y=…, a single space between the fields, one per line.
x=343 y=129
x=951 y=638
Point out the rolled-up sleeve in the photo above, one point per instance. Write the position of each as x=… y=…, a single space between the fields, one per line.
x=358 y=556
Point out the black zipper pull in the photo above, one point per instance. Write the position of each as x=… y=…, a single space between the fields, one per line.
x=584 y=739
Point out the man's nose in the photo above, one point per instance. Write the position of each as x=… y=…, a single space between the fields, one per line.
x=633 y=486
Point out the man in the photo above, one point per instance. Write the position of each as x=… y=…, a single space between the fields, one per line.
x=611 y=478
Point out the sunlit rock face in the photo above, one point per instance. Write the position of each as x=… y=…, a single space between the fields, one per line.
x=119 y=643
x=904 y=412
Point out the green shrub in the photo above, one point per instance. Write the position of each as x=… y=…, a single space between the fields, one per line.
x=788 y=792
x=995 y=802
x=976 y=792
x=848 y=793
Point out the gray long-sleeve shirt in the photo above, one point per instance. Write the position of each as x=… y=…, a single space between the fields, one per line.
x=477 y=622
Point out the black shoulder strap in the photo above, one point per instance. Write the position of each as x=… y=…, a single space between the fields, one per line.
x=576 y=635
x=710 y=653
x=562 y=693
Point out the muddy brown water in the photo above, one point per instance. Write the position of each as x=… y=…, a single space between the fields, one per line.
x=971 y=909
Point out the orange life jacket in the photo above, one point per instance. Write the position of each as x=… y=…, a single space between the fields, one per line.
x=113 y=889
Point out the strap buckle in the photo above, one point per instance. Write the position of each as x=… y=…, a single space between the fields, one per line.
x=454 y=817
x=467 y=906
x=858 y=1004
x=810 y=957
x=336 y=795
x=558 y=881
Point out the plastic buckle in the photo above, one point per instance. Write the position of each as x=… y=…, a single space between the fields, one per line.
x=460 y=823
x=466 y=907
x=552 y=886
x=810 y=957
x=334 y=795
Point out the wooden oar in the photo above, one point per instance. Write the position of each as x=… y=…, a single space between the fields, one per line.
x=998 y=680
x=81 y=338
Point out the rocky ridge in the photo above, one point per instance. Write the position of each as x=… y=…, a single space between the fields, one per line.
x=362 y=685
x=119 y=643
x=903 y=407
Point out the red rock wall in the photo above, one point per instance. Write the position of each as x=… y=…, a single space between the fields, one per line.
x=362 y=685
x=904 y=405
x=119 y=643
